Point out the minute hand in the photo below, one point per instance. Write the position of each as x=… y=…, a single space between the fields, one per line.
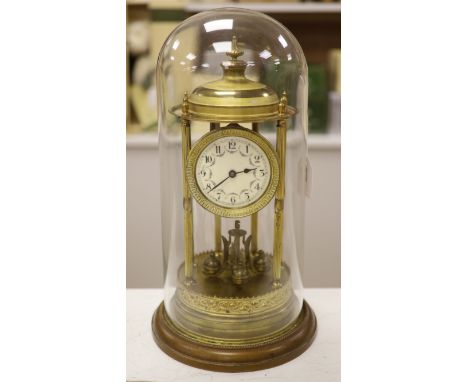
x=219 y=183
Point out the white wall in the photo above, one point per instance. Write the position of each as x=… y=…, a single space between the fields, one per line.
x=323 y=221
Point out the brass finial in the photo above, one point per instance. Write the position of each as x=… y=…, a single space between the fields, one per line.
x=235 y=52
x=185 y=105
x=283 y=103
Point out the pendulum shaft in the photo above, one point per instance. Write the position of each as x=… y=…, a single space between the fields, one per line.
x=188 y=215
x=254 y=217
x=279 y=200
x=217 y=233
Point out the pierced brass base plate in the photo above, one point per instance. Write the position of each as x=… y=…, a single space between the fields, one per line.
x=289 y=344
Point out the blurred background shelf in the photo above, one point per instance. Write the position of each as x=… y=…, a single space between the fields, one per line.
x=324 y=141
x=316 y=25
x=142 y=141
x=314 y=141
x=308 y=7
x=277 y=7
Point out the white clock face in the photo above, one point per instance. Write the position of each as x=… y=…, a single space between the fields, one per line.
x=233 y=172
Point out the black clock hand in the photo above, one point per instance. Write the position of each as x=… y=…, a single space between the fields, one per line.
x=232 y=174
x=247 y=170
x=229 y=176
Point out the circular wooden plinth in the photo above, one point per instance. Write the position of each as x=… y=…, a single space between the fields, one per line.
x=287 y=346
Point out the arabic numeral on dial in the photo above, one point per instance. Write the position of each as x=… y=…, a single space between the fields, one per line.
x=205 y=173
x=217 y=149
x=233 y=199
x=245 y=150
x=218 y=195
x=247 y=195
x=261 y=172
x=255 y=185
x=232 y=145
x=209 y=185
x=256 y=158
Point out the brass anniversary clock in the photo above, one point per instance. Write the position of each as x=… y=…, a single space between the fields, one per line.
x=232 y=87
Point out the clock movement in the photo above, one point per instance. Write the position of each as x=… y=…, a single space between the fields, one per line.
x=232 y=94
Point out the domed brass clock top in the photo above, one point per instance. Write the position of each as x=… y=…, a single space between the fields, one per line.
x=232 y=171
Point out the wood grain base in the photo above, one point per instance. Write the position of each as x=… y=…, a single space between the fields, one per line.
x=217 y=358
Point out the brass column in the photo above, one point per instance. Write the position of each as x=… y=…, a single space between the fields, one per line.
x=254 y=217
x=279 y=200
x=217 y=233
x=188 y=217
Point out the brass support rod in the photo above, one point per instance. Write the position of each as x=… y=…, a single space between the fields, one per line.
x=218 y=245
x=254 y=233
x=187 y=203
x=217 y=233
x=280 y=191
x=254 y=217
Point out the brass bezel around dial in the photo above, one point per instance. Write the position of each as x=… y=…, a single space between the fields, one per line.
x=232 y=212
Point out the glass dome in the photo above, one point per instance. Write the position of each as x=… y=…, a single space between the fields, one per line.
x=230 y=81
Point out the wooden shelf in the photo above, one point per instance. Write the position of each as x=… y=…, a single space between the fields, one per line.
x=138 y=2
x=314 y=141
x=309 y=7
x=324 y=141
x=316 y=25
x=142 y=141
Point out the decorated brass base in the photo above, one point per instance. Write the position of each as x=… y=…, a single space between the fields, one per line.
x=276 y=349
x=214 y=310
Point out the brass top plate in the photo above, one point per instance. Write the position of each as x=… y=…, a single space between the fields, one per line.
x=243 y=115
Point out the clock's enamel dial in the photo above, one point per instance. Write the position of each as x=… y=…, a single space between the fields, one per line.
x=232 y=172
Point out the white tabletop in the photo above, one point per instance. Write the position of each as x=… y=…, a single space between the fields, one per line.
x=146 y=362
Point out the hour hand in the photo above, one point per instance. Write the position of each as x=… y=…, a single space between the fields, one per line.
x=246 y=171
